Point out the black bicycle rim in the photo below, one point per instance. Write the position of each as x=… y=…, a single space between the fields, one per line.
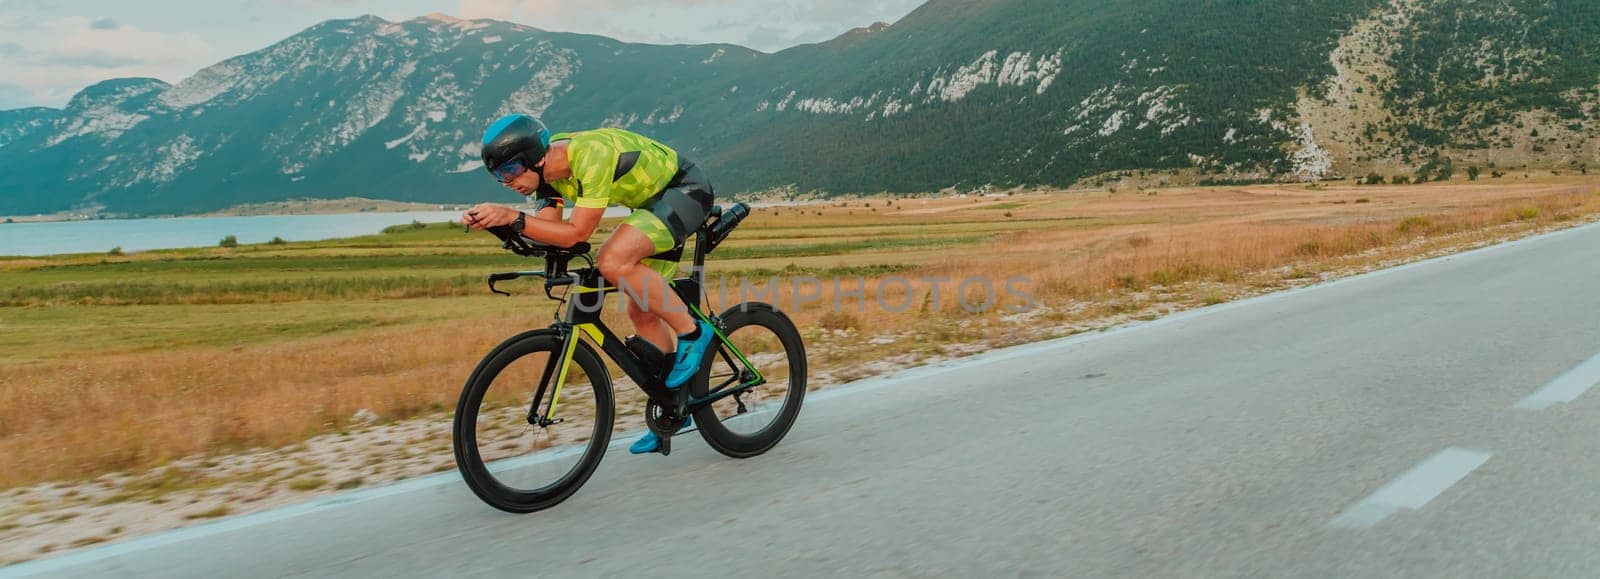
x=520 y=467
x=772 y=406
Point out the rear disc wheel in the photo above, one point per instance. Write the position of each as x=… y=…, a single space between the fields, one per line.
x=751 y=422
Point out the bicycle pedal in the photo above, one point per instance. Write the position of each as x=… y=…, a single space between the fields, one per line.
x=666 y=446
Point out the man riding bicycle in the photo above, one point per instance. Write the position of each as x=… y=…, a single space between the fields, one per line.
x=591 y=170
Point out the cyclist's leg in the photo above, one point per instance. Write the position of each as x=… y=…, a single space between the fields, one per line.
x=621 y=262
x=651 y=239
x=681 y=209
x=631 y=257
x=666 y=222
x=651 y=327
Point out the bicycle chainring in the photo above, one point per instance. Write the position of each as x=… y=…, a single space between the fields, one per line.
x=660 y=421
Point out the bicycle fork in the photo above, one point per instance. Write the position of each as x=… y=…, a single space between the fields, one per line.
x=560 y=369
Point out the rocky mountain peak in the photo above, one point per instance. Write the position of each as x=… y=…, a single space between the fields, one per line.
x=1050 y=92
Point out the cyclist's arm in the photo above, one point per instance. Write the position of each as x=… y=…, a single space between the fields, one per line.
x=548 y=204
x=551 y=213
x=547 y=227
x=594 y=165
x=564 y=233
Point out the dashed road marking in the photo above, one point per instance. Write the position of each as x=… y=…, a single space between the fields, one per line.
x=1566 y=388
x=1412 y=490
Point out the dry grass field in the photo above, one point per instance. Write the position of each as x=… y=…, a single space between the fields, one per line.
x=126 y=363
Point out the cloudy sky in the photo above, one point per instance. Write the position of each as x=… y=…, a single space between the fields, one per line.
x=50 y=49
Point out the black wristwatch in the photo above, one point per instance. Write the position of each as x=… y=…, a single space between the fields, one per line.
x=520 y=223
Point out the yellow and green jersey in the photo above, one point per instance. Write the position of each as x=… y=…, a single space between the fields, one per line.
x=612 y=167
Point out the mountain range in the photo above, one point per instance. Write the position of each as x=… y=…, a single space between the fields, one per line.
x=959 y=93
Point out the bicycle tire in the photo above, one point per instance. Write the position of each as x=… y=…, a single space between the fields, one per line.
x=712 y=429
x=469 y=460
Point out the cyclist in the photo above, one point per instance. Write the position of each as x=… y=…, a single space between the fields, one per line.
x=590 y=170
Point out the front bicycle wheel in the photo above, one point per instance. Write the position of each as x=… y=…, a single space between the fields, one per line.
x=512 y=450
x=765 y=369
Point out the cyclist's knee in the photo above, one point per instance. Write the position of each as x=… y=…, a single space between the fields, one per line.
x=619 y=255
x=638 y=315
x=616 y=264
x=610 y=266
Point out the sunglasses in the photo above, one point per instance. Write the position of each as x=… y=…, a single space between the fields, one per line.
x=509 y=171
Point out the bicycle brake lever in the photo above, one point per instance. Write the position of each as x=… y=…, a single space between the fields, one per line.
x=498 y=277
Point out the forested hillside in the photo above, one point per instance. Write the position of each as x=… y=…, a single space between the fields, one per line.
x=959 y=93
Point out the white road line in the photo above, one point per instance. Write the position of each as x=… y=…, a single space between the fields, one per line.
x=1413 y=489
x=1566 y=388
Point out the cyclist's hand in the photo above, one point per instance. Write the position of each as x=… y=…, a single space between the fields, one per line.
x=488 y=215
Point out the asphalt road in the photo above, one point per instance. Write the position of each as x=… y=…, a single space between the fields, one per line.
x=1431 y=420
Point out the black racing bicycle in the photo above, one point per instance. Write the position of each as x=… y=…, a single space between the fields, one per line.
x=536 y=416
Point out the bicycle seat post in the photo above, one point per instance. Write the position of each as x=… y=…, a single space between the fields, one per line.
x=702 y=246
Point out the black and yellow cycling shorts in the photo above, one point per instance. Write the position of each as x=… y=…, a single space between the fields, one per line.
x=673 y=215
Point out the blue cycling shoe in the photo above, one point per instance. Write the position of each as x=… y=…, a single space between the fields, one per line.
x=690 y=353
x=650 y=442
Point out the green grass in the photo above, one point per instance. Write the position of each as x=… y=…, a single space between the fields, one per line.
x=245 y=291
x=36 y=333
x=190 y=277
x=63 y=306
x=245 y=265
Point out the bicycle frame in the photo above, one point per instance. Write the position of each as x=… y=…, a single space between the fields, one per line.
x=578 y=336
x=582 y=318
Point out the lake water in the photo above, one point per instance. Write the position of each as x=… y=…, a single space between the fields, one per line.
x=143 y=234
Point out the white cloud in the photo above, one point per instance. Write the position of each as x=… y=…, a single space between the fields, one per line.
x=496 y=9
x=761 y=24
x=52 y=59
x=14 y=97
x=86 y=44
x=49 y=50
